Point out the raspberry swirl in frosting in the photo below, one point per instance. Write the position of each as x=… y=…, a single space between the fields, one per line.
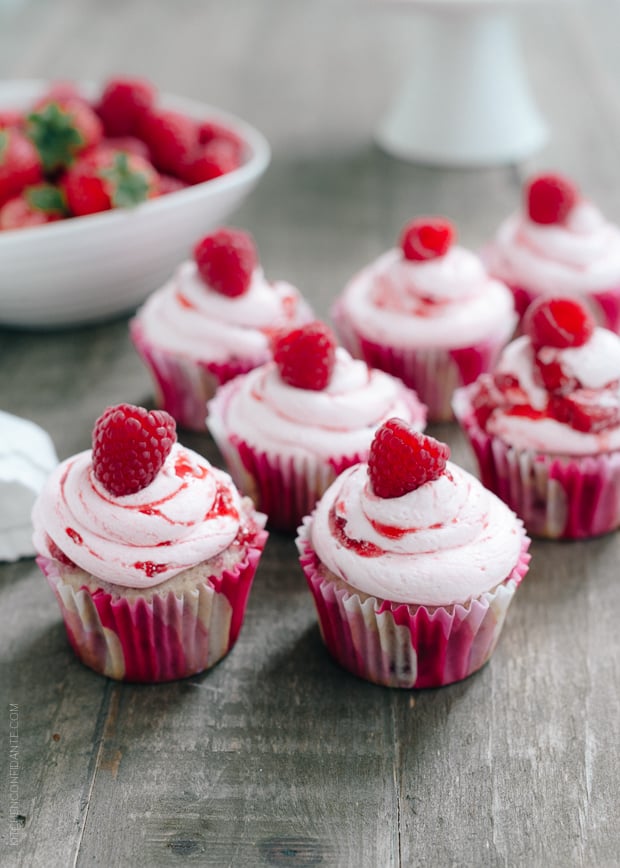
x=188 y=318
x=271 y=415
x=449 y=301
x=445 y=542
x=190 y=513
x=579 y=255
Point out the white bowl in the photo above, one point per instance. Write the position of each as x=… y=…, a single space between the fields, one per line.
x=87 y=269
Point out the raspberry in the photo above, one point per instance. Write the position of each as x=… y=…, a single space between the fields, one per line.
x=226 y=260
x=402 y=459
x=305 y=356
x=122 y=104
x=587 y=411
x=130 y=445
x=550 y=199
x=427 y=238
x=557 y=322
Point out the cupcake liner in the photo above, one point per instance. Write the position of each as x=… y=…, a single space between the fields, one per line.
x=604 y=305
x=405 y=645
x=434 y=373
x=183 y=385
x=163 y=637
x=557 y=496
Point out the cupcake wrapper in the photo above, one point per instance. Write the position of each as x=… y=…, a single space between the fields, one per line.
x=557 y=497
x=166 y=637
x=433 y=373
x=182 y=385
x=605 y=306
x=400 y=645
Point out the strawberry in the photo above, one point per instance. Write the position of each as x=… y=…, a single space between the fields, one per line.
x=123 y=103
x=427 y=238
x=401 y=459
x=171 y=138
x=106 y=179
x=43 y=203
x=550 y=199
x=557 y=322
x=10 y=118
x=210 y=130
x=130 y=445
x=130 y=144
x=19 y=163
x=61 y=131
x=217 y=157
x=170 y=184
x=587 y=411
x=59 y=91
x=305 y=356
x=226 y=260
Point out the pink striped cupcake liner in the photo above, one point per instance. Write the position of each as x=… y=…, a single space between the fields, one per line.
x=556 y=496
x=162 y=637
x=183 y=385
x=403 y=645
x=433 y=373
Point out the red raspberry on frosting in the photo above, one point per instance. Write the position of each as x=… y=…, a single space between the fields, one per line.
x=402 y=459
x=550 y=199
x=226 y=260
x=557 y=322
x=305 y=356
x=427 y=238
x=130 y=445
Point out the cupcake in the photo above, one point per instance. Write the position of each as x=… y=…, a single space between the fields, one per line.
x=545 y=426
x=150 y=550
x=288 y=428
x=412 y=564
x=559 y=244
x=211 y=321
x=426 y=312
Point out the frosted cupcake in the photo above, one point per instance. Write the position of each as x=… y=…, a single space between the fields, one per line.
x=545 y=427
x=559 y=244
x=211 y=321
x=150 y=551
x=288 y=428
x=427 y=312
x=412 y=564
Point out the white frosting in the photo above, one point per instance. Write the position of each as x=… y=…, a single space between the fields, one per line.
x=446 y=302
x=581 y=256
x=444 y=543
x=595 y=365
x=186 y=317
x=27 y=457
x=190 y=513
x=340 y=420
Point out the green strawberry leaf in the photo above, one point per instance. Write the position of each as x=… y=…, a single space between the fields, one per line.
x=128 y=186
x=53 y=133
x=47 y=198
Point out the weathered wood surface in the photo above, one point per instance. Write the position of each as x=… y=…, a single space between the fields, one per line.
x=277 y=757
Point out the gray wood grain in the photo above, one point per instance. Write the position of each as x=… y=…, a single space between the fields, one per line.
x=277 y=757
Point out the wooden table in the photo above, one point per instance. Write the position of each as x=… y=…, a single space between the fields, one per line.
x=277 y=757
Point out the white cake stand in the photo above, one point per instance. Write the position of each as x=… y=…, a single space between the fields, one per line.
x=467 y=101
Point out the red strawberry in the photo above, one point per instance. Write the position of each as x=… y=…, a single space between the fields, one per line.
x=130 y=445
x=59 y=91
x=36 y=205
x=19 y=163
x=217 y=157
x=107 y=179
x=171 y=138
x=305 y=356
x=170 y=184
x=550 y=198
x=226 y=260
x=402 y=459
x=209 y=130
x=427 y=238
x=10 y=118
x=123 y=103
x=61 y=131
x=130 y=144
x=557 y=322
x=587 y=411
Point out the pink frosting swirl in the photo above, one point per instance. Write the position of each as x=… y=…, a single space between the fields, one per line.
x=188 y=318
x=190 y=513
x=444 y=543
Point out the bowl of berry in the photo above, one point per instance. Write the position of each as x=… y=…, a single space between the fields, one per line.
x=104 y=189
